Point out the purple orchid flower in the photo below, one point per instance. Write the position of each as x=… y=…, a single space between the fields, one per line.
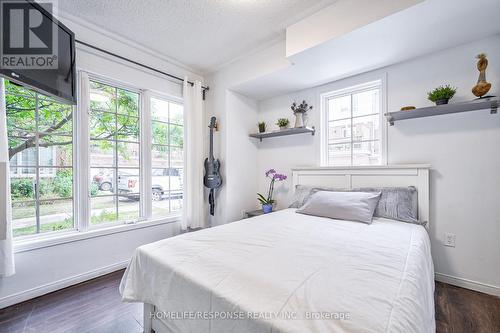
x=271 y=173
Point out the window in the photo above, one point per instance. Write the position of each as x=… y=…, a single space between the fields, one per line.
x=114 y=125
x=167 y=160
x=40 y=133
x=353 y=126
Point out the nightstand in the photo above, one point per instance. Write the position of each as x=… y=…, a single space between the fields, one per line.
x=253 y=213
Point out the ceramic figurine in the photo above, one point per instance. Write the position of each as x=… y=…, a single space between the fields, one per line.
x=482 y=87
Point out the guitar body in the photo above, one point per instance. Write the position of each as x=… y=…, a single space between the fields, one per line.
x=212 y=178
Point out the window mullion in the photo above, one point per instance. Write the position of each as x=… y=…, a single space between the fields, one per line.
x=82 y=184
x=146 y=201
x=37 y=167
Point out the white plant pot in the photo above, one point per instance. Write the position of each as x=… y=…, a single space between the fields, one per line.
x=299 y=120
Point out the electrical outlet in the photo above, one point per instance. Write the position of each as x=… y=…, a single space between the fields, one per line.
x=449 y=239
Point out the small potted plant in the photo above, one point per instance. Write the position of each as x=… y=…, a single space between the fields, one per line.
x=262 y=127
x=267 y=202
x=442 y=94
x=299 y=111
x=283 y=123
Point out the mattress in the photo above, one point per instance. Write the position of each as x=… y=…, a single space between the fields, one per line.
x=288 y=272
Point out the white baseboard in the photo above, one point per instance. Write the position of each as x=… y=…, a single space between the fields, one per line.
x=468 y=284
x=56 y=285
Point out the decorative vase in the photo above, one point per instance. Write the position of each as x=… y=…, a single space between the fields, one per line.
x=442 y=101
x=299 y=119
x=268 y=208
x=283 y=128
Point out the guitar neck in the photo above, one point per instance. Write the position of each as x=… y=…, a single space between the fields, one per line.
x=211 y=155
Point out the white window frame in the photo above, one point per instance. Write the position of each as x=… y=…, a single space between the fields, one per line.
x=367 y=85
x=81 y=179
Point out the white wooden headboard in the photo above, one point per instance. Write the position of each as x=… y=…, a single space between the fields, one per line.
x=370 y=176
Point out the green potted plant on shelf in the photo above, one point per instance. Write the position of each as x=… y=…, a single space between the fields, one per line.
x=268 y=202
x=262 y=127
x=442 y=94
x=283 y=123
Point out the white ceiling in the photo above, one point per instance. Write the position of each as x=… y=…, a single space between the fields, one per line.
x=202 y=34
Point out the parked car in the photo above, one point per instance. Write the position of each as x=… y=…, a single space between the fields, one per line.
x=162 y=181
x=104 y=182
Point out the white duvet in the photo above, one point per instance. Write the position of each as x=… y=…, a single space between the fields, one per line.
x=288 y=272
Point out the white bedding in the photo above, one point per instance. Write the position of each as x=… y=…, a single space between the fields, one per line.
x=379 y=277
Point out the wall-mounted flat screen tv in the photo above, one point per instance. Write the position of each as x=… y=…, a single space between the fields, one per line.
x=37 y=50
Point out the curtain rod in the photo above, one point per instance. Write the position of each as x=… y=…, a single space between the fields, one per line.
x=139 y=64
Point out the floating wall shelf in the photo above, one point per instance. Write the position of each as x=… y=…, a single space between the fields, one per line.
x=288 y=131
x=480 y=104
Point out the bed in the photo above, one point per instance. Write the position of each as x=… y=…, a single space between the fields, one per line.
x=288 y=272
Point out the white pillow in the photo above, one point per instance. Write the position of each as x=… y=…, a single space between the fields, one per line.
x=352 y=206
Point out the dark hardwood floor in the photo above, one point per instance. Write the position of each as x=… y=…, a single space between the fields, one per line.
x=95 y=307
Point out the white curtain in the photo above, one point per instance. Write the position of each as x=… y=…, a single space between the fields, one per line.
x=194 y=212
x=7 y=267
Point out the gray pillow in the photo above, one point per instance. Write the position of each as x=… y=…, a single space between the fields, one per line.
x=396 y=203
x=303 y=193
x=352 y=206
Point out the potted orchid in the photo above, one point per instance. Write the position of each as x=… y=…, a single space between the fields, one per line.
x=267 y=202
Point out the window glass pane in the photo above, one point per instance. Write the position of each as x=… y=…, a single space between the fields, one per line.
x=21 y=120
x=167 y=157
x=56 y=150
x=128 y=128
x=128 y=181
x=365 y=103
x=40 y=144
x=176 y=158
x=128 y=103
x=366 y=153
x=23 y=218
x=23 y=156
x=22 y=188
x=128 y=208
x=102 y=125
x=176 y=202
x=128 y=154
x=176 y=135
x=56 y=184
x=339 y=154
x=102 y=153
x=159 y=132
x=159 y=110
x=55 y=118
x=101 y=181
x=12 y=89
x=102 y=97
x=366 y=128
x=339 y=108
x=56 y=215
x=176 y=113
x=103 y=210
x=159 y=156
x=339 y=131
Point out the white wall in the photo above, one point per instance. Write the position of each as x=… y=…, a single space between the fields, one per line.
x=237 y=116
x=462 y=148
x=46 y=269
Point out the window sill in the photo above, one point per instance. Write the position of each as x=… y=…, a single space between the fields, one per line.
x=25 y=245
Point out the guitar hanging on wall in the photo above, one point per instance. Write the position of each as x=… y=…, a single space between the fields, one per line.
x=212 y=178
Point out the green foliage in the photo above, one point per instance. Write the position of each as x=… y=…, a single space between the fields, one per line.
x=94 y=189
x=262 y=126
x=22 y=188
x=283 y=122
x=264 y=201
x=63 y=183
x=441 y=92
x=104 y=216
